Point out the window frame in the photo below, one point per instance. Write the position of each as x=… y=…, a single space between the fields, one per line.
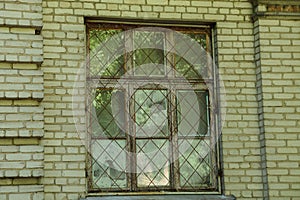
x=207 y=29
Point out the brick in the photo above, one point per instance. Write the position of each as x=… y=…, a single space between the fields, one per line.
x=265 y=22
x=19 y=141
x=192 y=16
x=148 y=15
x=61 y=11
x=18 y=156
x=73 y=173
x=72 y=188
x=12 y=165
x=134 y=1
x=201 y=3
x=214 y=17
x=31 y=188
x=73 y=158
x=129 y=14
x=25 y=181
x=5 y=182
x=31 y=149
x=24 y=66
x=11 y=14
x=157 y=2
x=179 y=2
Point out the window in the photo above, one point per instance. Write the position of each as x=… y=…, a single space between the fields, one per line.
x=151 y=102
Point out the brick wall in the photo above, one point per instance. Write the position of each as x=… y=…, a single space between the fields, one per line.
x=21 y=90
x=278 y=64
x=64 y=43
x=258 y=59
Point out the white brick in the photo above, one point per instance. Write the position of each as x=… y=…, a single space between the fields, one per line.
x=31 y=188
x=12 y=165
x=8 y=189
x=18 y=156
x=157 y=2
x=20 y=196
x=72 y=27
x=10 y=14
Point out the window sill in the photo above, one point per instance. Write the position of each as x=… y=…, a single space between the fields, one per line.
x=164 y=197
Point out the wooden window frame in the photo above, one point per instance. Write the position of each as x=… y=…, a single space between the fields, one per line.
x=93 y=82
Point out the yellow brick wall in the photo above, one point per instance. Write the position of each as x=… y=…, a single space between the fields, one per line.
x=64 y=47
x=21 y=92
x=279 y=66
x=257 y=56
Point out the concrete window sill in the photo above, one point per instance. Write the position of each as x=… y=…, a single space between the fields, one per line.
x=164 y=197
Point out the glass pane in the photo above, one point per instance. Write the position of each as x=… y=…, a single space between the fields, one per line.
x=103 y=55
x=193 y=113
x=109 y=164
x=152 y=163
x=198 y=37
x=194 y=163
x=150 y=50
x=108 y=120
x=151 y=113
x=196 y=69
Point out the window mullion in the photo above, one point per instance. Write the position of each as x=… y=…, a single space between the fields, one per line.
x=213 y=126
x=209 y=65
x=175 y=172
x=89 y=162
x=89 y=139
x=131 y=158
x=128 y=51
x=132 y=140
x=172 y=113
x=170 y=60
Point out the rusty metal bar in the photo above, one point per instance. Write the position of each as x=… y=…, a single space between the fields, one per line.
x=108 y=82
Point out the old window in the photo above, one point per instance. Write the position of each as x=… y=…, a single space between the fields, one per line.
x=151 y=120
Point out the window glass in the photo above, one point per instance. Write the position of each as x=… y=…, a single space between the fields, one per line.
x=145 y=55
x=193 y=112
x=151 y=113
x=195 y=166
x=99 y=65
x=146 y=135
x=109 y=167
x=194 y=70
x=105 y=122
x=153 y=162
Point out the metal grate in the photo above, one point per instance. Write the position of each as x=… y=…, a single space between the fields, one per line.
x=195 y=163
x=151 y=122
x=97 y=62
x=149 y=49
x=153 y=163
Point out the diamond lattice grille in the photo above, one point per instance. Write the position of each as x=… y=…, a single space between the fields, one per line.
x=151 y=113
x=99 y=64
x=153 y=163
x=149 y=130
x=110 y=166
x=195 y=163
